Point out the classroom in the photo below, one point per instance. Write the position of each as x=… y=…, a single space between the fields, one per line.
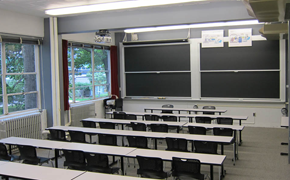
x=148 y=57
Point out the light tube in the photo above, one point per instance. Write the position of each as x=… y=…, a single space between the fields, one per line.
x=193 y=26
x=114 y=6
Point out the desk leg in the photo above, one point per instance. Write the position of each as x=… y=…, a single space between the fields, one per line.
x=222 y=168
x=211 y=172
x=151 y=110
x=56 y=153
x=240 y=136
x=122 y=165
x=155 y=143
x=10 y=149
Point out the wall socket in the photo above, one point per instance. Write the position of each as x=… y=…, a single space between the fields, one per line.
x=254 y=114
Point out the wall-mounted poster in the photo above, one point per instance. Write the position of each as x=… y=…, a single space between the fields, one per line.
x=240 y=37
x=212 y=38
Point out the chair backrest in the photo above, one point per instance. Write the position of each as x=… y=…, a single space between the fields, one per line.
x=176 y=144
x=97 y=160
x=136 y=126
x=138 y=142
x=57 y=135
x=197 y=130
x=208 y=107
x=74 y=157
x=131 y=117
x=186 y=166
x=89 y=124
x=225 y=121
x=159 y=127
x=107 y=125
x=169 y=118
x=77 y=136
x=205 y=147
x=150 y=163
x=151 y=117
x=223 y=131
x=3 y=152
x=28 y=154
x=119 y=115
x=167 y=106
x=107 y=139
x=205 y=120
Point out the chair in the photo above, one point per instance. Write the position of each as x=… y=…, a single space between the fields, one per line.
x=138 y=142
x=119 y=115
x=4 y=154
x=226 y=132
x=208 y=107
x=169 y=118
x=28 y=155
x=131 y=117
x=176 y=144
x=205 y=120
x=205 y=147
x=187 y=168
x=136 y=126
x=106 y=139
x=159 y=127
x=107 y=125
x=77 y=136
x=197 y=130
x=150 y=167
x=99 y=163
x=57 y=135
x=74 y=159
x=89 y=124
x=167 y=106
x=151 y=117
x=228 y=121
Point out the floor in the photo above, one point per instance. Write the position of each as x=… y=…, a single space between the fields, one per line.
x=259 y=157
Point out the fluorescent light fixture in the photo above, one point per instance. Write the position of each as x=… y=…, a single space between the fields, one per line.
x=193 y=26
x=114 y=6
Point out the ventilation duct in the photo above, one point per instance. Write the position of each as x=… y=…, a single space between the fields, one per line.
x=266 y=10
x=273 y=31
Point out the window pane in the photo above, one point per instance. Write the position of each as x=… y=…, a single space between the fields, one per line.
x=21 y=83
x=19 y=58
x=101 y=78
x=102 y=91
x=0 y=62
x=1 y=105
x=70 y=94
x=101 y=61
x=22 y=102
x=83 y=93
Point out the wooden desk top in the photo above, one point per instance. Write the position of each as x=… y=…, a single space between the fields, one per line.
x=188 y=109
x=100 y=176
x=211 y=126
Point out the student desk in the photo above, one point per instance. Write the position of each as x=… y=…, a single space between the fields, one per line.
x=186 y=109
x=26 y=171
x=127 y=122
x=38 y=143
x=100 y=176
x=156 y=135
x=212 y=160
x=190 y=116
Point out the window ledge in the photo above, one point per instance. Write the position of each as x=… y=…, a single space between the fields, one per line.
x=19 y=114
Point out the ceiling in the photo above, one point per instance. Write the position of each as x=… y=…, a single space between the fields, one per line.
x=38 y=7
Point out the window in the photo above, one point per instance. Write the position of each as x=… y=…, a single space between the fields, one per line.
x=18 y=76
x=89 y=73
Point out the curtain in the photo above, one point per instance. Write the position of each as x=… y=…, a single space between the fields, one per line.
x=114 y=72
x=65 y=74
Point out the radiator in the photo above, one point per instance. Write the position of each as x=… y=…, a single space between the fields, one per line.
x=82 y=111
x=27 y=126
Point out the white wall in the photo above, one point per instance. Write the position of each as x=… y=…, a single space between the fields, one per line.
x=267 y=114
x=22 y=24
x=85 y=38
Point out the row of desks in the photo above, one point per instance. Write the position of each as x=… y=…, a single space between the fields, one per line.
x=208 y=159
x=186 y=109
x=25 y=171
x=189 y=116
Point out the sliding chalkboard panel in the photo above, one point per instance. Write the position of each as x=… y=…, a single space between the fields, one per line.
x=157 y=58
x=262 y=55
x=163 y=84
x=240 y=84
